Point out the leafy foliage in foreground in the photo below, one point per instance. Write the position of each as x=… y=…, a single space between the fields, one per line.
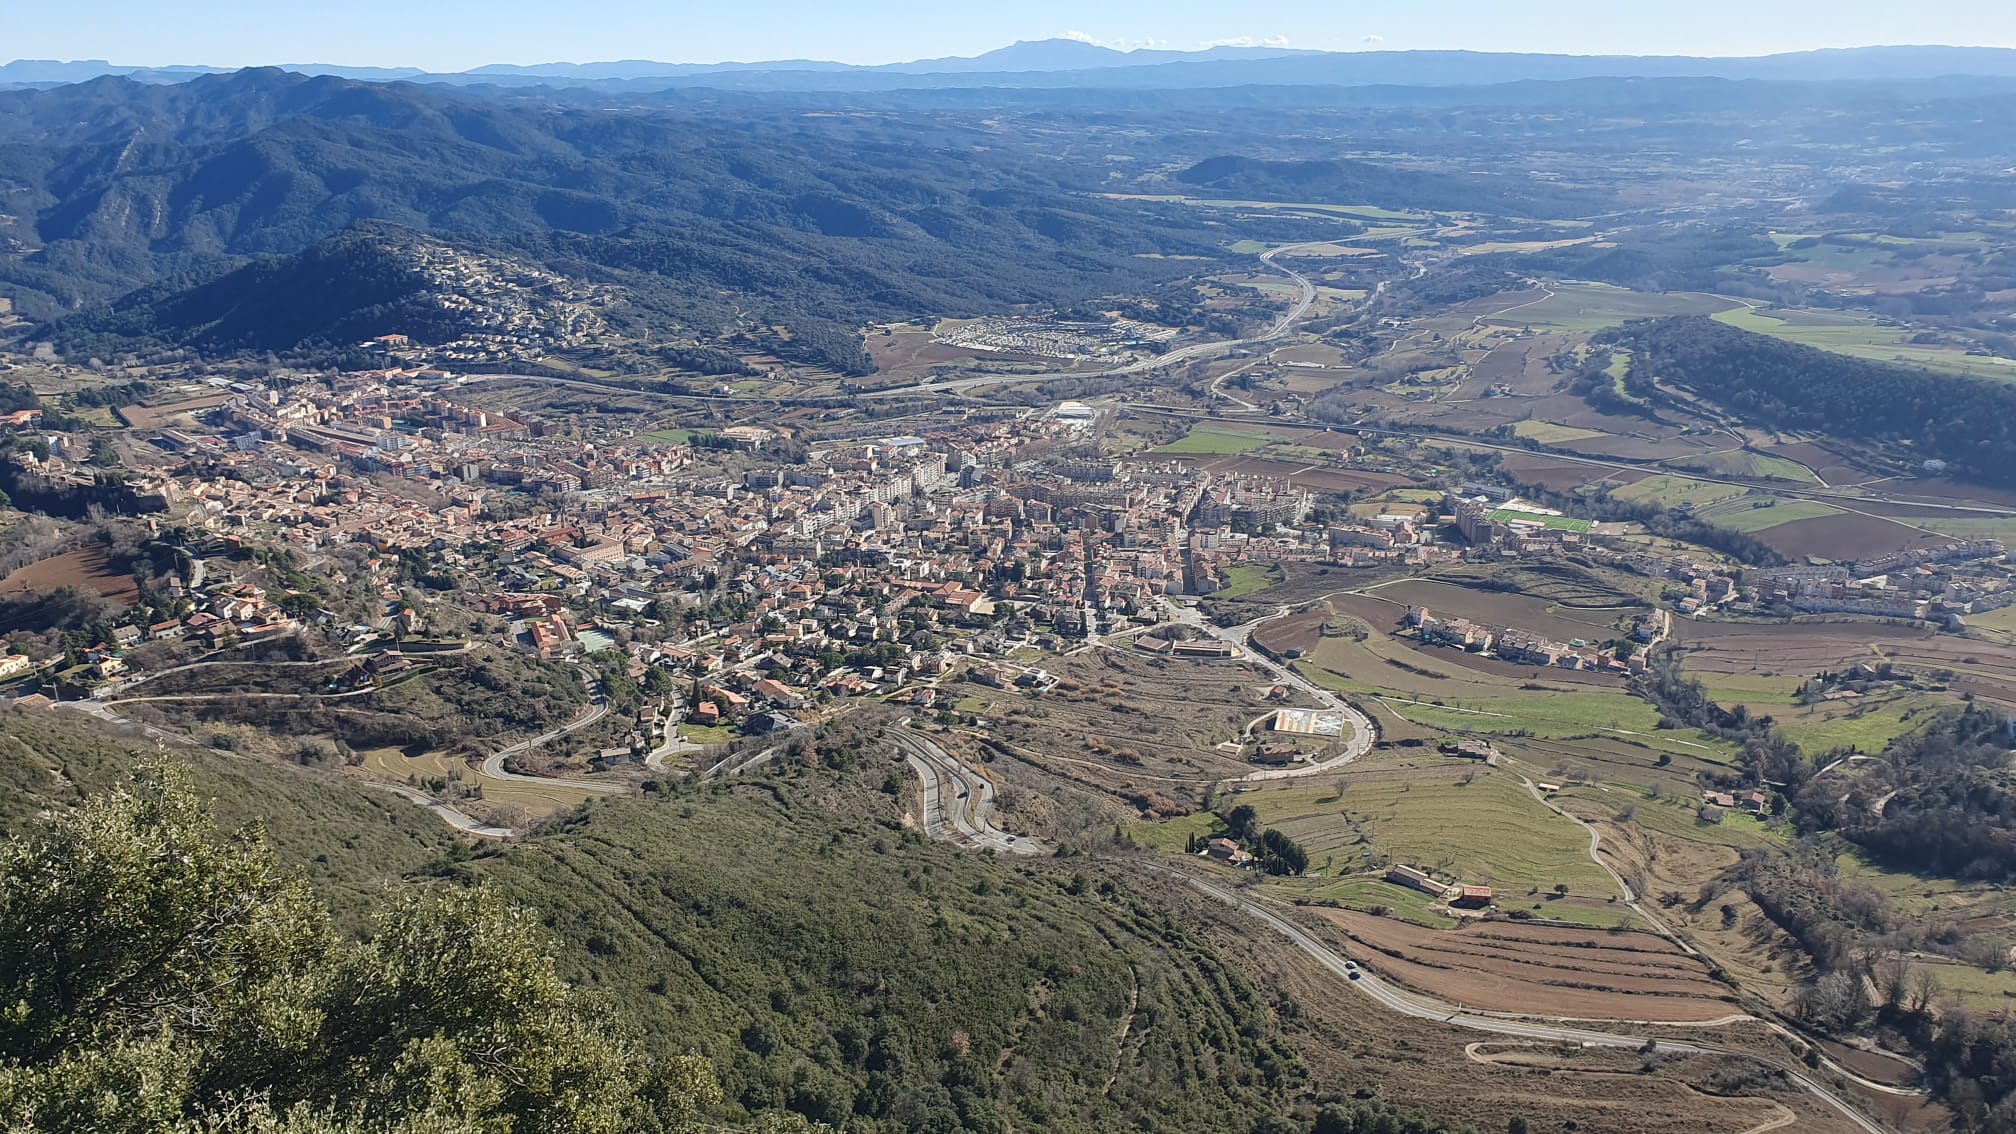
x=156 y=975
x=347 y=841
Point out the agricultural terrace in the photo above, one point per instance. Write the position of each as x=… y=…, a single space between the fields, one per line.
x=1509 y=967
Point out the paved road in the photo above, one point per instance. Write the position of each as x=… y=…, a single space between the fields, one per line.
x=447 y=814
x=1274 y=331
x=957 y=800
x=493 y=765
x=1422 y=1007
x=1363 y=731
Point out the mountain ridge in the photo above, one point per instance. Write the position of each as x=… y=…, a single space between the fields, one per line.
x=1073 y=61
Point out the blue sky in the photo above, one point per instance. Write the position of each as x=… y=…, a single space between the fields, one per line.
x=456 y=34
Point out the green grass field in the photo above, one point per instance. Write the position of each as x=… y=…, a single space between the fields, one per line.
x=1668 y=491
x=1592 y=307
x=1757 y=513
x=1860 y=338
x=1561 y=523
x=1490 y=830
x=1866 y=726
x=706 y=734
x=1212 y=440
x=1551 y=715
x=2003 y=620
x=1246 y=579
x=1554 y=433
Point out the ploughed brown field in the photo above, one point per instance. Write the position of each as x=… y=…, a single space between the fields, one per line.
x=85 y=570
x=1846 y=536
x=1542 y=970
x=1805 y=648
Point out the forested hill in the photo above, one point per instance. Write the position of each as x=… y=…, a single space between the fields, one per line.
x=112 y=184
x=828 y=961
x=1969 y=423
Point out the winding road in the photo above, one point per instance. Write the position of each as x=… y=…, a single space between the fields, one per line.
x=493 y=764
x=1420 y=1007
x=957 y=799
x=1363 y=731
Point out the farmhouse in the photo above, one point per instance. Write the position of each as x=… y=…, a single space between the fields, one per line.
x=1225 y=850
x=1474 y=897
x=1416 y=879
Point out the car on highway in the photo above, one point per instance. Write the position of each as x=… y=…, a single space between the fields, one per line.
x=1354 y=974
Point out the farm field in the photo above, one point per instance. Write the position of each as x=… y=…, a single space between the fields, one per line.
x=86 y=570
x=1667 y=491
x=1123 y=723
x=1861 y=337
x=1754 y=513
x=1385 y=606
x=1508 y=967
x=669 y=436
x=491 y=797
x=1488 y=831
x=1585 y=307
x=2003 y=620
x=1985 y=669
x=1215 y=441
x=1736 y=462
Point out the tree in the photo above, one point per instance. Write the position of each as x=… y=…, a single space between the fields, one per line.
x=161 y=976
x=1280 y=854
x=1244 y=822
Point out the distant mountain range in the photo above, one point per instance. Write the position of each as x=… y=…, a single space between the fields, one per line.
x=1073 y=63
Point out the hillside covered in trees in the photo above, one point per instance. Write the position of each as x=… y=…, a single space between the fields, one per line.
x=1968 y=423
x=764 y=955
x=709 y=220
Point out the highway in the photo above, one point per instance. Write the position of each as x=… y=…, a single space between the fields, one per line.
x=1274 y=331
x=957 y=799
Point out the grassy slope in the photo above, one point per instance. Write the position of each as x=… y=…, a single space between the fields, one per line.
x=349 y=840
x=829 y=959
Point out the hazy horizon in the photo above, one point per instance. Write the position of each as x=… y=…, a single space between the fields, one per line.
x=453 y=35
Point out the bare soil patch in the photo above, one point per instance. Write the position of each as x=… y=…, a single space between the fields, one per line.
x=1544 y=970
x=157 y=417
x=85 y=570
x=1846 y=536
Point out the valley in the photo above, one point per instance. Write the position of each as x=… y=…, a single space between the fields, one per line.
x=1065 y=609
